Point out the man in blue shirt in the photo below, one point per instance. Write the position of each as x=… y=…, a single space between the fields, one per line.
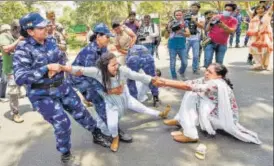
x=239 y=18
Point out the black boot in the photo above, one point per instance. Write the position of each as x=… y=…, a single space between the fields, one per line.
x=156 y=101
x=100 y=138
x=124 y=137
x=68 y=159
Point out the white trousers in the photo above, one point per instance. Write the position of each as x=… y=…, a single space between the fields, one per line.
x=114 y=114
x=188 y=116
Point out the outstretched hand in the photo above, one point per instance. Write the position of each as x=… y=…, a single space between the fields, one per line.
x=156 y=81
x=66 y=68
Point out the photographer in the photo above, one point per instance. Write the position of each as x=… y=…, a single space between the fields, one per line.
x=147 y=34
x=219 y=29
x=238 y=32
x=195 y=25
x=177 y=43
x=209 y=14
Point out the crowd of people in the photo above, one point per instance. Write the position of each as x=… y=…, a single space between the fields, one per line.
x=34 y=57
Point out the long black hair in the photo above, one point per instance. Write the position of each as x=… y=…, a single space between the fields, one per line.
x=257 y=7
x=102 y=64
x=221 y=70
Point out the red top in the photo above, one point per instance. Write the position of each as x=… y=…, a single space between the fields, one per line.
x=217 y=34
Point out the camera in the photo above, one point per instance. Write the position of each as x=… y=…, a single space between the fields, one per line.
x=187 y=16
x=142 y=36
x=191 y=24
x=214 y=22
x=175 y=26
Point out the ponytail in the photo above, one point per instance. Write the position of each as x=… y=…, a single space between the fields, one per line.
x=228 y=82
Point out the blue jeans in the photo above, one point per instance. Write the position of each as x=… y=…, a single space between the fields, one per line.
x=219 y=50
x=150 y=47
x=238 y=35
x=195 y=45
x=183 y=57
x=246 y=40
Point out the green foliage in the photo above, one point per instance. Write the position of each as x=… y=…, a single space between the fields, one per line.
x=68 y=18
x=90 y=13
x=12 y=10
x=74 y=43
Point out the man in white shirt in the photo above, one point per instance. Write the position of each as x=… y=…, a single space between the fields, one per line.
x=147 y=34
x=195 y=25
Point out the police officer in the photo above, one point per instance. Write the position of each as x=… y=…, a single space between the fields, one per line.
x=37 y=65
x=138 y=58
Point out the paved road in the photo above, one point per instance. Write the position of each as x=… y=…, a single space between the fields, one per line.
x=33 y=144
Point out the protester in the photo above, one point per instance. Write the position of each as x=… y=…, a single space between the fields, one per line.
x=115 y=93
x=209 y=103
x=261 y=36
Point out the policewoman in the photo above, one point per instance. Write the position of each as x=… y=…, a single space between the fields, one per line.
x=87 y=57
x=36 y=59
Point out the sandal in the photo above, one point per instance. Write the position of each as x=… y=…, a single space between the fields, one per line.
x=201 y=151
x=174 y=133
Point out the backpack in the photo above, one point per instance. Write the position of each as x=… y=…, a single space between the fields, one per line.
x=157 y=39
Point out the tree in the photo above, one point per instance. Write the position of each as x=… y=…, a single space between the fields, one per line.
x=68 y=18
x=30 y=6
x=165 y=9
x=11 y=10
x=100 y=11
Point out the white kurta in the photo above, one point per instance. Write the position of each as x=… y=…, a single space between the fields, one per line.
x=116 y=105
x=198 y=109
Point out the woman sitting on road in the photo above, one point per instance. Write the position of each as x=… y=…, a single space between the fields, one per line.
x=116 y=94
x=210 y=103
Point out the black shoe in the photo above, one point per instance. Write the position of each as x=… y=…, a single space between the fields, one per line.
x=124 y=137
x=109 y=138
x=237 y=46
x=156 y=101
x=100 y=138
x=68 y=159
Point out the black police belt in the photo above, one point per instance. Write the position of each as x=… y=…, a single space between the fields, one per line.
x=48 y=86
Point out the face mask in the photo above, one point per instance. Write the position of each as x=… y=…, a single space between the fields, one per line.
x=226 y=13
